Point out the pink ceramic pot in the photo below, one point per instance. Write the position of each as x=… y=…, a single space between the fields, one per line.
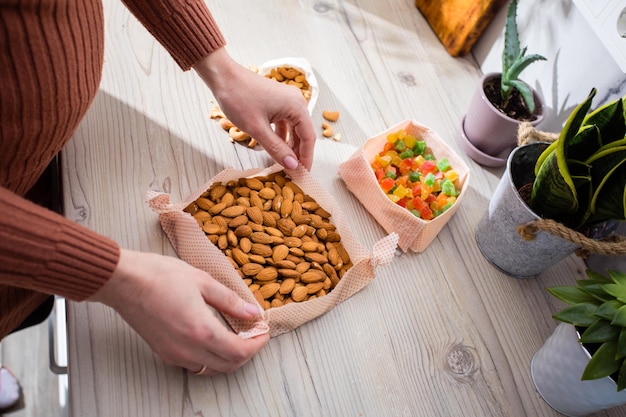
x=489 y=130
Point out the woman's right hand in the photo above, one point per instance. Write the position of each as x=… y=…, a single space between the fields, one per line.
x=167 y=302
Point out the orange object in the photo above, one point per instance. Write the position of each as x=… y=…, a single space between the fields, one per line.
x=458 y=23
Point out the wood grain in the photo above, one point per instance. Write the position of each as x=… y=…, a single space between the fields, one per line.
x=441 y=333
x=459 y=23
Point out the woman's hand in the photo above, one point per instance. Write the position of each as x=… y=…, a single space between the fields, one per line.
x=167 y=302
x=253 y=103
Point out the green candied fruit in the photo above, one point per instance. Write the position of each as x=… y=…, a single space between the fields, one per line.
x=390 y=174
x=419 y=148
x=416 y=213
x=443 y=165
x=407 y=154
x=414 y=176
x=429 y=157
x=447 y=187
x=399 y=145
x=430 y=179
x=446 y=207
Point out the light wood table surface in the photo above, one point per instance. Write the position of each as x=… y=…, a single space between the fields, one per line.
x=440 y=333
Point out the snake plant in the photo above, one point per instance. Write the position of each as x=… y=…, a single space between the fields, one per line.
x=597 y=307
x=514 y=61
x=581 y=177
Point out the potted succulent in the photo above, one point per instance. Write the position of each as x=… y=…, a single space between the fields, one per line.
x=580 y=369
x=556 y=198
x=501 y=102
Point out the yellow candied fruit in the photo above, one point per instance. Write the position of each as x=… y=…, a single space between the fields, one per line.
x=409 y=141
x=393 y=198
x=396 y=160
x=400 y=191
x=384 y=161
x=452 y=175
x=392 y=137
x=419 y=160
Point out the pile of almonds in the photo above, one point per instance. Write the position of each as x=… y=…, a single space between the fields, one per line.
x=278 y=238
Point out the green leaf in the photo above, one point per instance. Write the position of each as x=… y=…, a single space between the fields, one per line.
x=593 y=288
x=521 y=63
x=526 y=93
x=621 y=345
x=599 y=332
x=609 y=119
x=617 y=277
x=511 y=38
x=609 y=176
x=621 y=379
x=616 y=290
x=584 y=143
x=554 y=192
x=579 y=315
x=620 y=317
x=608 y=309
x=600 y=278
x=602 y=363
x=571 y=295
x=544 y=155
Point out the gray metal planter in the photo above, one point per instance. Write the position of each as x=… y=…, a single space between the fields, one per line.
x=496 y=233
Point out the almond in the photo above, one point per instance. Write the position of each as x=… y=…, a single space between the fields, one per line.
x=211 y=228
x=316 y=257
x=287 y=286
x=268 y=273
x=254 y=213
x=268 y=290
x=243 y=231
x=280 y=252
x=216 y=208
x=312 y=275
x=254 y=184
x=267 y=193
x=245 y=244
x=233 y=211
x=313 y=287
x=268 y=219
x=240 y=257
x=300 y=294
x=251 y=269
x=289 y=273
x=260 y=237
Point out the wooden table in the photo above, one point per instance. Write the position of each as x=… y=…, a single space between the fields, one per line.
x=440 y=333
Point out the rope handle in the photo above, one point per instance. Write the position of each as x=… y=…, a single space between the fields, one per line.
x=612 y=245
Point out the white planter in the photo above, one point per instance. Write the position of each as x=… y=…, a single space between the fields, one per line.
x=556 y=370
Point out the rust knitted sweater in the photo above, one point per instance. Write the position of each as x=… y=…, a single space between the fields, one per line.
x=51 y=57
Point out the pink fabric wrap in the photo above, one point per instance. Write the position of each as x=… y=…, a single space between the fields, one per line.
x=414 y=233
x=192 y=246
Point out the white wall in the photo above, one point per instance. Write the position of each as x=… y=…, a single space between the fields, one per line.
x=576 y=61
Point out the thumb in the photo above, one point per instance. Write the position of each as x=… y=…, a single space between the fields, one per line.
x=275 y=144
x=228 y=302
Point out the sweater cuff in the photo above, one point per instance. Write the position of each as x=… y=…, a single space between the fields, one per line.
x=185 y=28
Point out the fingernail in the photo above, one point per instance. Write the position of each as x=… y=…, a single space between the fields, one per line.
x=290 y=162
x=251 y=309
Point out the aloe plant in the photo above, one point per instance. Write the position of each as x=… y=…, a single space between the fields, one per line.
x=581 y=177
x=597 y=307
x=514 y=61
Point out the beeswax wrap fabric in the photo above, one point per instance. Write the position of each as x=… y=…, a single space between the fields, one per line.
x=192 y=245
x=414 y=233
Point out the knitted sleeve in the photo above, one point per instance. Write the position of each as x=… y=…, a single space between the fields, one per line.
x=43 y=251
x=185 y=28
